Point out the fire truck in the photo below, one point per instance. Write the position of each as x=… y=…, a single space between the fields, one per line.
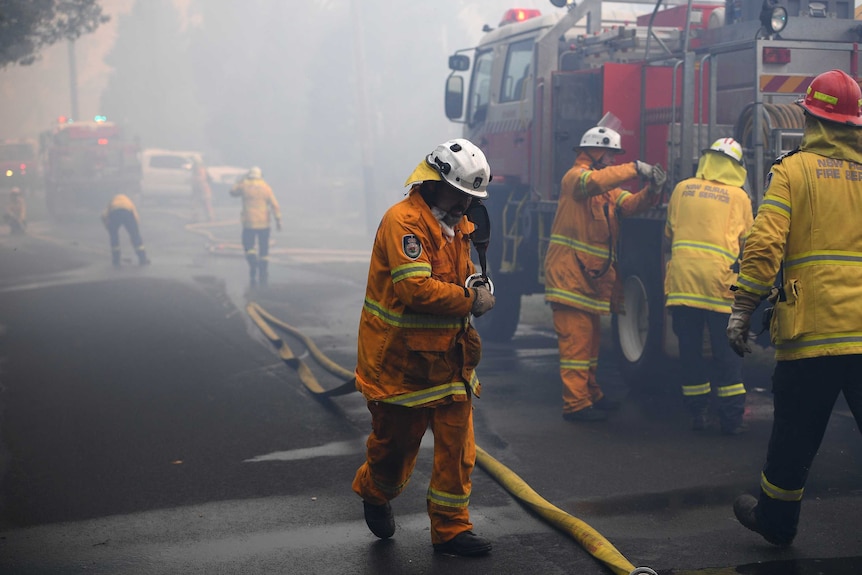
x=677 y=77
x=86 y=163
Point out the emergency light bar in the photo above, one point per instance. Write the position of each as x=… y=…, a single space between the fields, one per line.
x=518 y=15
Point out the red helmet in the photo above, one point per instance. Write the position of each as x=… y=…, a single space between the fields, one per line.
x=834 y=96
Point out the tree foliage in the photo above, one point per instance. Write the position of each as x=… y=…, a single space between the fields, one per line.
x=27 y=26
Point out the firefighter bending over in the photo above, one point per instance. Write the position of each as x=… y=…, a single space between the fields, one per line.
x=418 y=351
x=807 y=234
x=16 y=212
x=580 y=271
x=121 y=212
x=258 y=207
x=708 y=218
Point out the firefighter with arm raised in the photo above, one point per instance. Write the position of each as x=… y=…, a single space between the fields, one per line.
x=418 y=351
x=806 y=233
x=259 y=206
x=708 y=218
x=580 y=271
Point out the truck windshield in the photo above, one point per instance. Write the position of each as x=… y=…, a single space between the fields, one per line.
x=517 y=69
x=480 y=87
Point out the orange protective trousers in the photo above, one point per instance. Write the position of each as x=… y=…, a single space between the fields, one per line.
x=393 y=446
x=578 y=337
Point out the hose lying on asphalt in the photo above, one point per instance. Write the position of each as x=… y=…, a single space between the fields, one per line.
x=590 y=539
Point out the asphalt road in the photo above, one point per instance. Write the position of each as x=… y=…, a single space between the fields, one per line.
x=149 y=427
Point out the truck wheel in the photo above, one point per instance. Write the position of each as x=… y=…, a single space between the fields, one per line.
x=500 y=323
x=638 y=334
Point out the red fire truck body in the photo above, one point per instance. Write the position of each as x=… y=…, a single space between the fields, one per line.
x=535 y=84
x=85 y=163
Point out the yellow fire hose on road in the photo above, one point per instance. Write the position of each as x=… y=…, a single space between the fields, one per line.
x=590 y=539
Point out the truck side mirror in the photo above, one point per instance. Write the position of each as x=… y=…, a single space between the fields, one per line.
x=459 y=63
x=454 y=97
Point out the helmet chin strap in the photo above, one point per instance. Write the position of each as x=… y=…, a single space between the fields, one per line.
x=595 y=163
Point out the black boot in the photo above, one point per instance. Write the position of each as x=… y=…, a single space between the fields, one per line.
x=379 y=519
x=465 y=544
x=745 y=509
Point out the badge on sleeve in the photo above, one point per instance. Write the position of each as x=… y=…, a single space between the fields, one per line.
x=411 y=246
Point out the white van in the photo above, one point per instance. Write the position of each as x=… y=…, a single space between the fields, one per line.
x=167 y=174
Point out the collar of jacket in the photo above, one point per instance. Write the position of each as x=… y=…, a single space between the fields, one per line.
x=416 y=200
x=832 y=140
x=717 y=167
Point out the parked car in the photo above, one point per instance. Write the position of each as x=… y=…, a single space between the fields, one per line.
x=167 y=174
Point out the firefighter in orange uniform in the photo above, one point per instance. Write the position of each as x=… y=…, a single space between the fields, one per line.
x=258 y=207
x=708 y=218
x=418 y=351
x=580 y=274
x=121 y=213
x=202 y=195
x=16 y=212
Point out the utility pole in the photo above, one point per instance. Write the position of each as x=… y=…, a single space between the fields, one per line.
x=73 y=82
x=365 y=135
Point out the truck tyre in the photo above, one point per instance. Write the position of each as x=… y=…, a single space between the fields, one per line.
x=638 y=333
x=499 y=324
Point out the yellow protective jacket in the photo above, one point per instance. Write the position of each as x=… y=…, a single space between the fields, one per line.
x=707 y=222
x=809 y=221
x=120 y=202
x=258 y=203
x=416 y=344
x=580 y=266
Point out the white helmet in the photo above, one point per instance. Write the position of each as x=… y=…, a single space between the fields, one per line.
x=462 y=165
x=254 y=172
x=727 y=146
x=601 y=137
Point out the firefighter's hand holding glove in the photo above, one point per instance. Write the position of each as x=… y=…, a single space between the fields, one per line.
x=483 y=301
x=739 y=324
x=644 y=169
x=657 y=179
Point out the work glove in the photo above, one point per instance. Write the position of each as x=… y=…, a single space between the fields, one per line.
x=644 y=169
x=278 y=225
x=483 y=302
x=657 y=178
x=739 y=324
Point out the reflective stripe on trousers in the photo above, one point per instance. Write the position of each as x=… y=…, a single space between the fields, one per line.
x=392 y=449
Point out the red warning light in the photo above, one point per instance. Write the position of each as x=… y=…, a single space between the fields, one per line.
x=102 y=141
x=519 y=15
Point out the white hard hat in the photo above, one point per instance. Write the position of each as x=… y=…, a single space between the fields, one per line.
x=254 y=172
x=727 y=146
x=462 y=165
x=602 y=137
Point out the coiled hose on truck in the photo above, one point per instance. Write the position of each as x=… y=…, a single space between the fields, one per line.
x=590 y=539
x=775 y=116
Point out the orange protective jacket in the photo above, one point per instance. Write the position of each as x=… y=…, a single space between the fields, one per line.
x=416 y=344
x=580 y=266
x=201 y=182
x=258 y=202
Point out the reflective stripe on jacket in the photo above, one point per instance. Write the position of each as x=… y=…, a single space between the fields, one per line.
x=706 y=223
x=416 y=344
x=258 y=202
x=809 y=219
x=580 y=269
